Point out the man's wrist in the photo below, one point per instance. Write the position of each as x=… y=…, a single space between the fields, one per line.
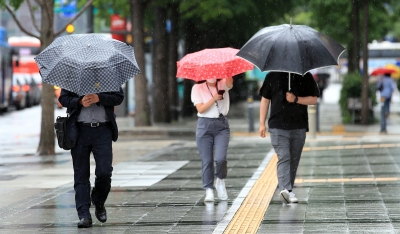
x=296 y=99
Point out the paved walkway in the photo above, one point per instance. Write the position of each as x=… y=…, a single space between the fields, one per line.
x=346 y=183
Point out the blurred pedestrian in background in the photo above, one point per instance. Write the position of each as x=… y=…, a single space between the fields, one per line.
x=288 y=122
x=386 y=85
x=211 y=99
x=92 y=125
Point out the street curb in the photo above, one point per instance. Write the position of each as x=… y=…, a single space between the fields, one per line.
x=154 y=131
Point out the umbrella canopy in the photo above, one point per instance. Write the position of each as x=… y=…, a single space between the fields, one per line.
x=291 y=48
x=212 y=63
x=382 y=71
x=395 y=75
x=87 y=63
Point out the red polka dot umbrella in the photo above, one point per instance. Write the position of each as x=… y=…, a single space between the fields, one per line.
x=211 y=64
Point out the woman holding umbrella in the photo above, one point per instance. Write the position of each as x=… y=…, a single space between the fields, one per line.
x=213 y=132
x=213 y=70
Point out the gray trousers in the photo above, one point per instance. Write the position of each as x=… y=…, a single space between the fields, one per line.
x=212 y=137
x=288 y=145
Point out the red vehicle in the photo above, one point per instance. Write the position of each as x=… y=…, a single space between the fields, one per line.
x=24 y=50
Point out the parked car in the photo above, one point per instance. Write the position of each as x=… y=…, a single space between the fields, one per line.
x=35 y=92
x=19 y=90
x=28 y=86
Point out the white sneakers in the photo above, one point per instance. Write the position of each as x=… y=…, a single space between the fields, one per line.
x=209 y=195
x=288 y=197
x=284 y=196
x=293 y=198
x=221 y=190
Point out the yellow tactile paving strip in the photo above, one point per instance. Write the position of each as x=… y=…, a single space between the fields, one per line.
x=346 y=180
x=250 y=214
x=344 y=134
x=358 y=146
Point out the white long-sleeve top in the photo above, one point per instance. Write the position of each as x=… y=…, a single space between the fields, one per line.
x=201 y=94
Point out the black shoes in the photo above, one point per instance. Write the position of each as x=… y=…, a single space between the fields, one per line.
x=85 y=223
x=101 y=213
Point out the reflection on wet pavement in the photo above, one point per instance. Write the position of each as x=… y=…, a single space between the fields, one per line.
x=158 y=192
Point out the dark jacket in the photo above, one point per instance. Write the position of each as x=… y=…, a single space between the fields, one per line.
x=70 y=100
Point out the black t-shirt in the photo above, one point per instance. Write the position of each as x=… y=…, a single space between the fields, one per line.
x=285 y=115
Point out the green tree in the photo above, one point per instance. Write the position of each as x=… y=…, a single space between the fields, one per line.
x=375 y=24
x=173 y=38
x=46 y=34
x=225 y=23
x=160 y=65
x=334 y=18
x=394 y=12
x=142 y=108
x=136 y=12
x=365 y=78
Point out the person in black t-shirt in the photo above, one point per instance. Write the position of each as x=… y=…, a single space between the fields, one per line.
x=288 y=122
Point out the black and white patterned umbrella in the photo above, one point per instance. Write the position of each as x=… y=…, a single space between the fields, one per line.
x=87 y=63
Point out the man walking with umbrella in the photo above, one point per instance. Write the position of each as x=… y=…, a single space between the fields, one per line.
x=288 y=123
x=90 y=69
x=93 y=127
x=289 y=52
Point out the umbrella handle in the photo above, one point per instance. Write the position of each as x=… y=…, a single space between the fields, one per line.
x=289 y=81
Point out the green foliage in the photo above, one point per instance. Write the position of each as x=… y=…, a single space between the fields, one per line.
x=333 y=18
x=206 y=10
x=231 y=22
x=106 y=8
x=394 y=11
x=15 y=4
x=351 y=88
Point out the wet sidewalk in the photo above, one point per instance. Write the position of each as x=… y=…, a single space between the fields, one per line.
x=346 y=183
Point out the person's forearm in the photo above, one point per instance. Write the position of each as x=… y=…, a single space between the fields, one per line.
x=264 y=105
x=309 y=100
x=203 y=107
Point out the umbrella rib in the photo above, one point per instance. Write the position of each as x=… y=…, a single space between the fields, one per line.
x=323 y=47
x=319 y=39
x=278 y=35
x=121 y=52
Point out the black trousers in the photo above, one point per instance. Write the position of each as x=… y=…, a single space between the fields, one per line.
x=99 y=142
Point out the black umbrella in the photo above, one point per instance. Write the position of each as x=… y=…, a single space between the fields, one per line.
x=87 y=63
x=291 y=48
